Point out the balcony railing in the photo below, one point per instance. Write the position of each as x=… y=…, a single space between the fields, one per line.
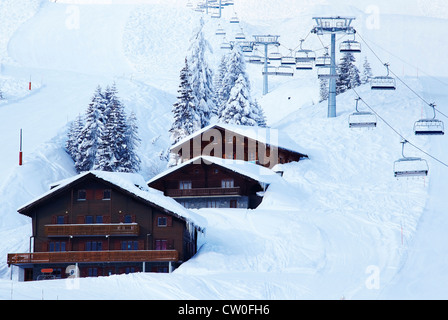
x=92 y=256
x=203 y=192
x=111 y=229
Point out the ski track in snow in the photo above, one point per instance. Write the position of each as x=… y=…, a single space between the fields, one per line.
x=313 y=237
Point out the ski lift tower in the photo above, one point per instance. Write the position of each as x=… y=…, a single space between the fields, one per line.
x=266 y=40
x=333 y=26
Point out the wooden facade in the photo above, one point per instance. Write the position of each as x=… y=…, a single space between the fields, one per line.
x=199 y=183
x=102 y=229
x=228 y=142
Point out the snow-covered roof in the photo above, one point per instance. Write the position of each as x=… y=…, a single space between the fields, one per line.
x=131 y=183
x=256 y=172
x=267 y=136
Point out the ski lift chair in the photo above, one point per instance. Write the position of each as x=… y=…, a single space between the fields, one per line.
x=240 y=35
x=275 y=56
x=408 y=167
x=234 y=19
x=429 y=127
x=352 y=46
x=362 y=119
x=304 y=64
x=305 y=58
x=225 y=45
x=324 y=60
x=288 y=61
x=272 y=71
x=325 y=73
x=220 y=31
x=285 y=71
x=383 y=82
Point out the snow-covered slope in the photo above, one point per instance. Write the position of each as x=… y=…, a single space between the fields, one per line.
x=338 y=224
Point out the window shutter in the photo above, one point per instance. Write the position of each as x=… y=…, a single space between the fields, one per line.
x=169 y=221
x=80 y=219
x=66 y=219
x=54 y=219
x=106 y=219
x=134 y=218
x=170 y=244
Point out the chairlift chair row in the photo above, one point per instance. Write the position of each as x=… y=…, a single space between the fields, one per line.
x=429 y=127
x=408 y=167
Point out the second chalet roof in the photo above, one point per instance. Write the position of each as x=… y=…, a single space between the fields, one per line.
x=251 y=170
x=130 y=183
x=268 y=136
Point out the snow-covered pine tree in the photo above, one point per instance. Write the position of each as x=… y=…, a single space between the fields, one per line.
x=235 y=66
x=323 y=89
x=131 y=161
x=239 y=107
x=348 y=74
x=73 y=134
x=112 y=145
x=88 y=138
x=366 y=72
x=186 y=118
x=261 y=118
x=201 y=76
x=219 y=77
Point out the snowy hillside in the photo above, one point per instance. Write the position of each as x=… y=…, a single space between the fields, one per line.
x=338 y=226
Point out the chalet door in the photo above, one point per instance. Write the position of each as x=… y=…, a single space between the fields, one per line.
x=233 y=203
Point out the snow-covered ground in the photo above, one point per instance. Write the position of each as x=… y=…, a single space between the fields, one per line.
x=338 y=226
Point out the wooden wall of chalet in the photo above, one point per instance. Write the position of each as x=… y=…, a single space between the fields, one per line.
x=234 y=146
x=113 y=210
x=206 y=176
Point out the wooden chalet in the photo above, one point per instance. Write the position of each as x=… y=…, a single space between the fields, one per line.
x=263 y=146
x=211 y=182
x=103 y=223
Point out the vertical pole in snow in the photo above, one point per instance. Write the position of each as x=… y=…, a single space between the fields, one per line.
x=20 y=150
x=332 y=87
x=265 y=78
x=29 y=84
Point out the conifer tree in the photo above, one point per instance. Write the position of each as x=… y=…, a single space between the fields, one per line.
x=186 y=119
x=367 y=72
x=239 y=108
x=348 y=74
x=323 y=89
x=202 y=88
x=89 y=135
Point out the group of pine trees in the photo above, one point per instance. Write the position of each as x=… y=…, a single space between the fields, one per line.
x=203 y=98
x=105 y=138
x=348 y=76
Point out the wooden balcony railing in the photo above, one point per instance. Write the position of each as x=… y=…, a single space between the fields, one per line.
x=203 y=192
x=118 y=229
x=93 y=256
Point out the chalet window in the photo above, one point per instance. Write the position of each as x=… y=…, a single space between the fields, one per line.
x=127 y=218
x=106 y=194
x=129 y=245
x=161 y=244
x=161 y=222
x=82 y=195
x=212 y=204
x=227 y=183
x=99 y=219
x=56 y=246
x=60 y=219
x=183 y=185
x=89 y=219
x=92 y=272
x=94 y=246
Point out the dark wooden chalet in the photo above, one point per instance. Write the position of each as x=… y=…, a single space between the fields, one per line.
x=102 y=223
x=263 y=146
x=211 y=182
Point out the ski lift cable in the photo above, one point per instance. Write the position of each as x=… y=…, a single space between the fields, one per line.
x=396 y=76
x=398 y=133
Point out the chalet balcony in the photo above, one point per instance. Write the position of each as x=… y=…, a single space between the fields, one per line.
x=98 y=229
x=93 y=256
x=203 y=192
